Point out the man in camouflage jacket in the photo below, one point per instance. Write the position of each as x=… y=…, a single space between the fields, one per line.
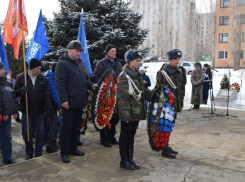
x=175 y=75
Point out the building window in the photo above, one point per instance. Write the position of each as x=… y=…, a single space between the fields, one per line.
x=177 y=20
x=224 y=3
x=177 y=26
x=241 y=54
x=242 y=37
x=154 y=5
x=224 y=20
x=223 y=37
x=177 y=14
x=153 y=40
x=178 y=1
x=153 y=46
x=242 y=19
x=138 y=7
x=159 y=22
x=154 y=11
x=241 y=2
x=177 y=8
x=153 y=23
x=223 y=54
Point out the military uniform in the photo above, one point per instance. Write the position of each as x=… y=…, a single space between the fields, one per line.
x=176 y=76
x=131 y=109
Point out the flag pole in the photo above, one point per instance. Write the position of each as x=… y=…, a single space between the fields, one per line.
x=24 y=55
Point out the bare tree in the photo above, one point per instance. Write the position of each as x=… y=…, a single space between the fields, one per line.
x=237 y=19
x=192 y=28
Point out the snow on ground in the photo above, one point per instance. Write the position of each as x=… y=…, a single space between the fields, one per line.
x=154 y=67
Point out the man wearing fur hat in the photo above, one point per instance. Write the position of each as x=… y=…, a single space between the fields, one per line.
x=174 y=84
x=107 y=136
x=39 y=101
x=197 y=78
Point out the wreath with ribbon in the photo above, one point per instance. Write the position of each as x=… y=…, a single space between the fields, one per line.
x=104 y=100
x=86 y=115
x=235 y=86
x=160 y=120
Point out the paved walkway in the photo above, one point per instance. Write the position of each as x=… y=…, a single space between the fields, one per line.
x=211 y=148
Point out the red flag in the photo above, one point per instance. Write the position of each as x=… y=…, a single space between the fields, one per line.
x=16 y=17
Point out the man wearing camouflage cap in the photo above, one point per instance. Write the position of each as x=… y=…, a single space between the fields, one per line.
x=174 y=73
x=72 y=87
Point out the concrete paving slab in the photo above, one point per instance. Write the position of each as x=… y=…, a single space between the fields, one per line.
x=211 y=148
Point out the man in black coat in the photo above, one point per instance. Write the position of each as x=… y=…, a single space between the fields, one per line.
x=72 y=89
x=39 y=101
x=107 y=135
x=6 y=88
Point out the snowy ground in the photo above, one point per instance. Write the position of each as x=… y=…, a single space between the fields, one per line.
x=217 y=77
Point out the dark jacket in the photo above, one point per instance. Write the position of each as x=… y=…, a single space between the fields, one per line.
x=38 y=95
x=104 y=65
x=148 y=81
x=53 y=90
x=4 y=110
x=9 y=94
x=70 y=78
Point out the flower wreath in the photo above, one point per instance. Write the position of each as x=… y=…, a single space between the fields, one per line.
x=235 y=86
x=104 y=100
x=160 y=130
x=86 y=115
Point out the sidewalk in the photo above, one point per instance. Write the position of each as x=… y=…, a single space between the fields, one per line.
x=210 y=149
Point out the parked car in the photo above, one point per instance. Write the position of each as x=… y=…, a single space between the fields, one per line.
x=150 y=59
x=163 y=59
x=189 y=66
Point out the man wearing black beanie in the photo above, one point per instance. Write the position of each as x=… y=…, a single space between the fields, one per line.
x=39 y=101
x=107 y=135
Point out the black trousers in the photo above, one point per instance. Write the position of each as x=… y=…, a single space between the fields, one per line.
x=69 y=130
x=109 y=134
x=128 y=131
x=53 y=127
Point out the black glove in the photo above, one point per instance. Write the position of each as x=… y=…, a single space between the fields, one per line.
x=24 y=89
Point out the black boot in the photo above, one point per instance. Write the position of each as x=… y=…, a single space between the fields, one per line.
x=205 y=100
x=166 y=152
x=55 y=145
x=196 y=106
x=173 y=151
x=104 y=138
x=124 y=161
x=130 y=158
x=50 y=149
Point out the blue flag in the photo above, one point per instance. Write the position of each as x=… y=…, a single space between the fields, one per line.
x=3 y=55
x=84 y=54
x=39 y=43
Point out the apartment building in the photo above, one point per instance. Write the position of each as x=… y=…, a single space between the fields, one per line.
x=175 y=24
x=229 y=38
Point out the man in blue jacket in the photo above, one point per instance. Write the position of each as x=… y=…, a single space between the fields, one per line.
x=72 y=88
x=7 y=90
x=52 y=145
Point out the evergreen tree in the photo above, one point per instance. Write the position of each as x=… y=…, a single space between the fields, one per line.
x=15 y=65
x=105 y=21
x=224 y=84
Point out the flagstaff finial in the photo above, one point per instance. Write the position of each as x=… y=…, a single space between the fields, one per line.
x=82 y=11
